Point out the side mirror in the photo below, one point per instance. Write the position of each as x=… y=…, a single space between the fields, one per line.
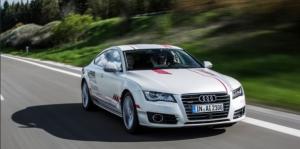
x=110 y=67
x=207 y=64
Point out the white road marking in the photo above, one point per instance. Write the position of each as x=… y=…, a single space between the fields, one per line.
x=51 y=63
x=277 y=113
x=1 y=97
x=44 y=66
x=272 y=126
x=252 y=121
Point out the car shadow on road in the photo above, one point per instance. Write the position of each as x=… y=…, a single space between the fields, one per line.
x=70 y=121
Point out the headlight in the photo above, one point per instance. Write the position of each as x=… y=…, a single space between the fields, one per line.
x=237 y=92
x=157 y=96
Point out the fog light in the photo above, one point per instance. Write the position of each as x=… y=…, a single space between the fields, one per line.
x=158 y=118
x=161 y=118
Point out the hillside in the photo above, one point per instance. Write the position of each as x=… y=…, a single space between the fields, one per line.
x=264 y=55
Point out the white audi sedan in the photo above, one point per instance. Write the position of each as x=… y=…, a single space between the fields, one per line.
x=160 y=86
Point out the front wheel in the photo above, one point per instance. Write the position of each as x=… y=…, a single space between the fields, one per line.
x=87 y=102
x=129 y=114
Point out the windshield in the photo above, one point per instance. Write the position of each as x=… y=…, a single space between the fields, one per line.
x=146 y=59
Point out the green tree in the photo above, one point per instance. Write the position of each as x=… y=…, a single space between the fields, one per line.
x=4 y=16
x=49 y=11
x=72 y=27
x=35 y=11
x=81 y=6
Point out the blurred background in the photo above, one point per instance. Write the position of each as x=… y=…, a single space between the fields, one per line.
x=255 y=41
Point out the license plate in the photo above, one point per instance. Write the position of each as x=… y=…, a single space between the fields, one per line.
x=207 y=108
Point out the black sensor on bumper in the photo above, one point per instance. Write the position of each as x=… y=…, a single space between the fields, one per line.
x=160 y=118
x=239 y=113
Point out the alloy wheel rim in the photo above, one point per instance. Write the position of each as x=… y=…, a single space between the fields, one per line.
x=128 y=112
x=84 y=95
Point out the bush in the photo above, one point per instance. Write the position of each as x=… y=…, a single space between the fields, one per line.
x=72 y=27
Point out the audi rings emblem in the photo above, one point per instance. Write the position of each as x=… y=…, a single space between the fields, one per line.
x=207 y=98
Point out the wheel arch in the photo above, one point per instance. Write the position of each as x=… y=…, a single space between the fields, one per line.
x=82 y=81
x=129 y=86
x=123 y=95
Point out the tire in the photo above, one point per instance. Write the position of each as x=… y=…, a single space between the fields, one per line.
x=129 y=114
x=87 y=102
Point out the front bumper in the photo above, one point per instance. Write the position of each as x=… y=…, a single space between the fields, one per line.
x=179 y=111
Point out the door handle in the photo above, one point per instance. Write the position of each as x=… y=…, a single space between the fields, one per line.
x=101 y=75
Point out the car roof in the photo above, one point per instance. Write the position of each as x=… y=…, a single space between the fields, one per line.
x=146 y=46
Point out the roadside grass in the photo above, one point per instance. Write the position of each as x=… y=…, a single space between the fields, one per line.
x=264 y=57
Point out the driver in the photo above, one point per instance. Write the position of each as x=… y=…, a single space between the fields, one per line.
x=158 y=59
x=162 y=59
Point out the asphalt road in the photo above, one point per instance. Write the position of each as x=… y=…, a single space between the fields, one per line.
x=41 y=110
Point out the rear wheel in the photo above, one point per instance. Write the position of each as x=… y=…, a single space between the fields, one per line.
x=129 y=114
x=87 y=102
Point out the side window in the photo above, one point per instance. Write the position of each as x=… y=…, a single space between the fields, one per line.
x=114 y=56
x=111 y=56
x=101 y=59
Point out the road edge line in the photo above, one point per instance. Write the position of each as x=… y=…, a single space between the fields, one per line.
x=272 y=126
x=43 y=66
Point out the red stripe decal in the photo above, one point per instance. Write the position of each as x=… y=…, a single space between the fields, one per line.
x=212 y=76
x=160 y=71
x=222 y=84
x=137 y=106
x=167 y=46
x=216 y=79
x=116 y=98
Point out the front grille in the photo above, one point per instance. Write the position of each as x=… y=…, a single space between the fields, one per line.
x=239 y=113
x=190 y=99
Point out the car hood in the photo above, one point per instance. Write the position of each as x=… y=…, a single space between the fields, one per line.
x=181 y=81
